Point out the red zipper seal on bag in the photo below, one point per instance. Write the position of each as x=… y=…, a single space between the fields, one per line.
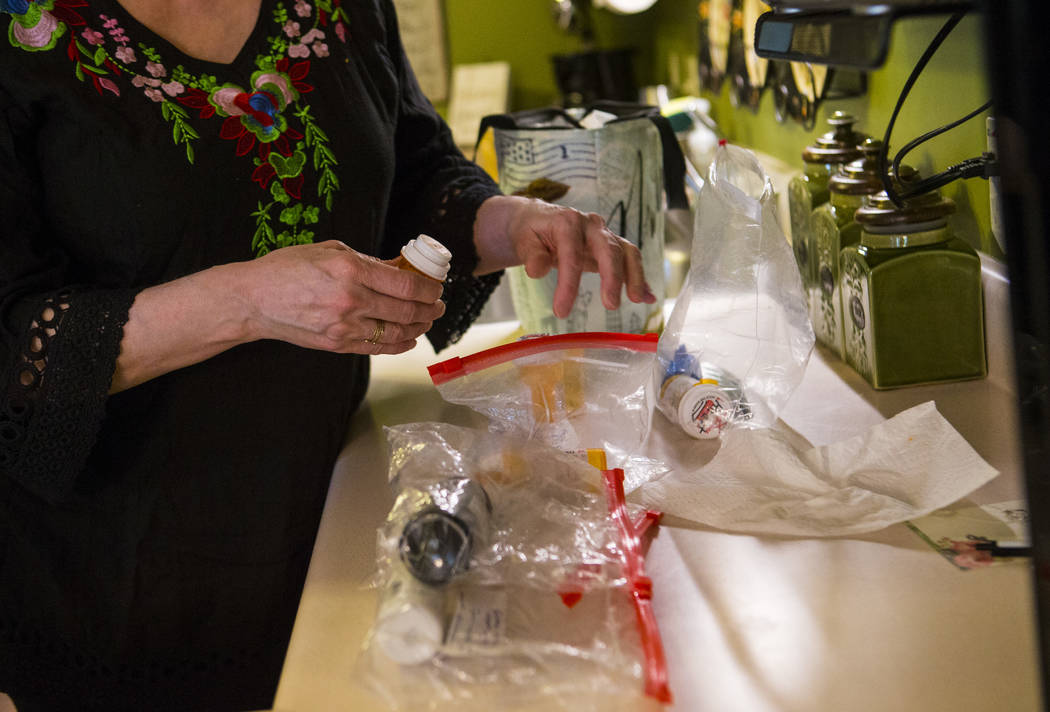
x=453 y=368
x=572 y=589
x=656 y=685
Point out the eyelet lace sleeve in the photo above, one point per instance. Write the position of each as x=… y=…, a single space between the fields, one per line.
x=55 y=382
x=465 y=295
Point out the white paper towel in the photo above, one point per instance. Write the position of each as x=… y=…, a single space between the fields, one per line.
x=759 y=482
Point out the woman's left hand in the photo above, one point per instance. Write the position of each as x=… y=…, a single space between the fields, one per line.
x=512 y=230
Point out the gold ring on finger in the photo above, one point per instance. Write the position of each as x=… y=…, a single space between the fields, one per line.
x=377 y=332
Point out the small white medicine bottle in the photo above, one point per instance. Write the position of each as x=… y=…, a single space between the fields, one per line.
x=426 y=256
x=410 y=624
x=699 y=406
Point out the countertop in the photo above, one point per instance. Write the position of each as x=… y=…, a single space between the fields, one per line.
x=879 y=622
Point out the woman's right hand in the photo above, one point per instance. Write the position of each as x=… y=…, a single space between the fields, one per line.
x=330 y=297
x=324 y=296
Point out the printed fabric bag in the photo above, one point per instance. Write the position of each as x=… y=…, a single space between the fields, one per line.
x=611 y=158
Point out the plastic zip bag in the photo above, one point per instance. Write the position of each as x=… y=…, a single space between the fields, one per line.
x=741 y=319
x=569 y=391
x=547 y=515
x=503 y=628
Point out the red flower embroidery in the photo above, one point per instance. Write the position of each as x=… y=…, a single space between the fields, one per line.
x=197 y=99
x=263 y=174
x=64 y=11
x=296 y=72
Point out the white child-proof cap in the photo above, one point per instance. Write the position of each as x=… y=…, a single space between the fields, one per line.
x=409 y=635
x=704 y=411
x=428 y=256
x=409 y=626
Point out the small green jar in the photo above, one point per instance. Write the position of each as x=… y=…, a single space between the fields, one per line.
x=911 y=296
x=809 y=190
x=834 y=228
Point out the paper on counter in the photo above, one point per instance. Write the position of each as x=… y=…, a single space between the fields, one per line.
x=758 y=482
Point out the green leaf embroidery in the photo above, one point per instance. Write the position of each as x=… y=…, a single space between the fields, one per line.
x=278 y=193
x=181 y=132
x=261 y=212
x=150 y=53
x=263 y=237
x=292 y=215
x=100 y=55
x=323 y=158
x=318 y=133
x=287 y=167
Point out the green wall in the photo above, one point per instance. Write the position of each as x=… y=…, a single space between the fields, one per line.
x=524 y=33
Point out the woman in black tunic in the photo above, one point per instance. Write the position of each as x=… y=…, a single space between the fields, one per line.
x=192 y=219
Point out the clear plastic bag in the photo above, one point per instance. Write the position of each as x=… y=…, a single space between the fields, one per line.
x=543 y=615
x=513 y=648
x=741 y=317
x=547 y=516
x=569 y=391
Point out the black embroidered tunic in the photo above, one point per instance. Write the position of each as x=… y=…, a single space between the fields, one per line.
x=154 y=543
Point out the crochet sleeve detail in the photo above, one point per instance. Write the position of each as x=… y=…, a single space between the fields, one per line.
x=55 y=384
x=465 y=295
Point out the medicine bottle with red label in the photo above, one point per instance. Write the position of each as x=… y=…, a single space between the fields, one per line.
x=699 y=406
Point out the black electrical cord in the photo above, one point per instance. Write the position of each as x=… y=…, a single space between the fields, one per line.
x=908 y=147
x=887 y=182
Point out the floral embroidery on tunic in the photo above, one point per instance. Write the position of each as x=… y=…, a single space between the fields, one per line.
x=263 y=114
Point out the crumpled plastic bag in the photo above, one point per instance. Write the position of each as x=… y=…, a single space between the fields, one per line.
x=742 y=310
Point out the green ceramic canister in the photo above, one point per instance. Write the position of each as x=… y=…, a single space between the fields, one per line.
x=834 y=228
x=809 y=190
x=911 y=293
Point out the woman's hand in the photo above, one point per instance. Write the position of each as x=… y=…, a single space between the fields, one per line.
x=324 y=296
x=330 y=297
x=511 y=230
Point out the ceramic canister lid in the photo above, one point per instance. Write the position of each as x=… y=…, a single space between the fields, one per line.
x=922 y=212
x=861 y=176
x=838 y=145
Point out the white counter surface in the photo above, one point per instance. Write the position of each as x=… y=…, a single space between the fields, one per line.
x=879 y=622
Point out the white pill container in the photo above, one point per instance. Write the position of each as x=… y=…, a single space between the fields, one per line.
x=410 y=624
x=699 y=405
